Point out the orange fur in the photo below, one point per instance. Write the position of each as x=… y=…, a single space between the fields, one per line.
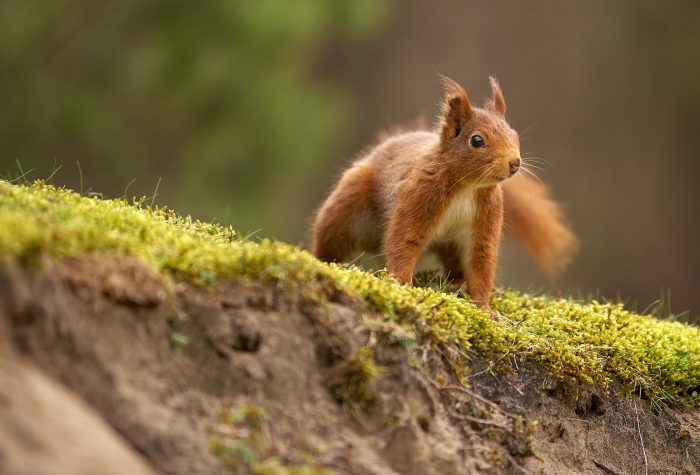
x=440 y=191
x=538 y=222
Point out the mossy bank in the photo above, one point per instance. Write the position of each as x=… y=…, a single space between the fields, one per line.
x=142 y=311
x=588 y=342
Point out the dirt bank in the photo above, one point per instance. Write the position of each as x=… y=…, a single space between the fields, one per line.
x=107 y=369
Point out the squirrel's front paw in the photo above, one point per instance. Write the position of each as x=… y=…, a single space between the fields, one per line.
x=495 y=316
x=487 y=308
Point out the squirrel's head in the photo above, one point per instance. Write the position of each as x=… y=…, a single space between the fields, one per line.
x=478 y=140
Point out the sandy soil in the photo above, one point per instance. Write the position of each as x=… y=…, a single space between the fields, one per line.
x=104 y=369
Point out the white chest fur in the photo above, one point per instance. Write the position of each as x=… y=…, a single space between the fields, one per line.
x=455 y=224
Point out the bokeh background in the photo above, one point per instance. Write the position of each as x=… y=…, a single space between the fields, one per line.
x=247 y=111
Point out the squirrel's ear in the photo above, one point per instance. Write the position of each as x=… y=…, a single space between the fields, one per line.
x=497 y=103
x=456 y=109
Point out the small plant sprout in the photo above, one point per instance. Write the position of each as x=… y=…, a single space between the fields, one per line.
x=178 y=341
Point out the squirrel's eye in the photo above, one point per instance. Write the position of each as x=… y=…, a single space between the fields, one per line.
x=477 y=141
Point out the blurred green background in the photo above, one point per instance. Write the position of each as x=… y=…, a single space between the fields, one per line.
x=247 y=111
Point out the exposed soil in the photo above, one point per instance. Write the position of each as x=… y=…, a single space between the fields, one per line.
x=104 y=369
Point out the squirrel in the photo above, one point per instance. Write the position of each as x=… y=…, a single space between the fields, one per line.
x=447 y=191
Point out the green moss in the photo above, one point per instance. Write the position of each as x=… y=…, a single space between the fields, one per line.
x=242 y=443
x=352 y=380
x=252 y=416
x=583 y=342
x=233 y=455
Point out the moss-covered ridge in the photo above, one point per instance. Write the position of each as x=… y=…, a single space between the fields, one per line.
x=591 y=343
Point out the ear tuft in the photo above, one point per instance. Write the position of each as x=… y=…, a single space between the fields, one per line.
x=456 y=108
x=497 y=103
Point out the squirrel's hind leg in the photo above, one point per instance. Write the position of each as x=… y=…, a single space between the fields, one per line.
x=337 y=229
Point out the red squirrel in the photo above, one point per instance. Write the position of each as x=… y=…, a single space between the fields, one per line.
x=447 y=191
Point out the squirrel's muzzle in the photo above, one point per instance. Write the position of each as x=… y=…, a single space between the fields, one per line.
x=514 y=166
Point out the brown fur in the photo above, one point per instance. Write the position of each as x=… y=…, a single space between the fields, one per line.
x=435 y=191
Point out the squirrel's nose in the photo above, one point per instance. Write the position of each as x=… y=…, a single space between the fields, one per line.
x=514 y=165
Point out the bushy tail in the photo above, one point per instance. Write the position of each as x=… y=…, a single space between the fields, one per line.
x=539 y=223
